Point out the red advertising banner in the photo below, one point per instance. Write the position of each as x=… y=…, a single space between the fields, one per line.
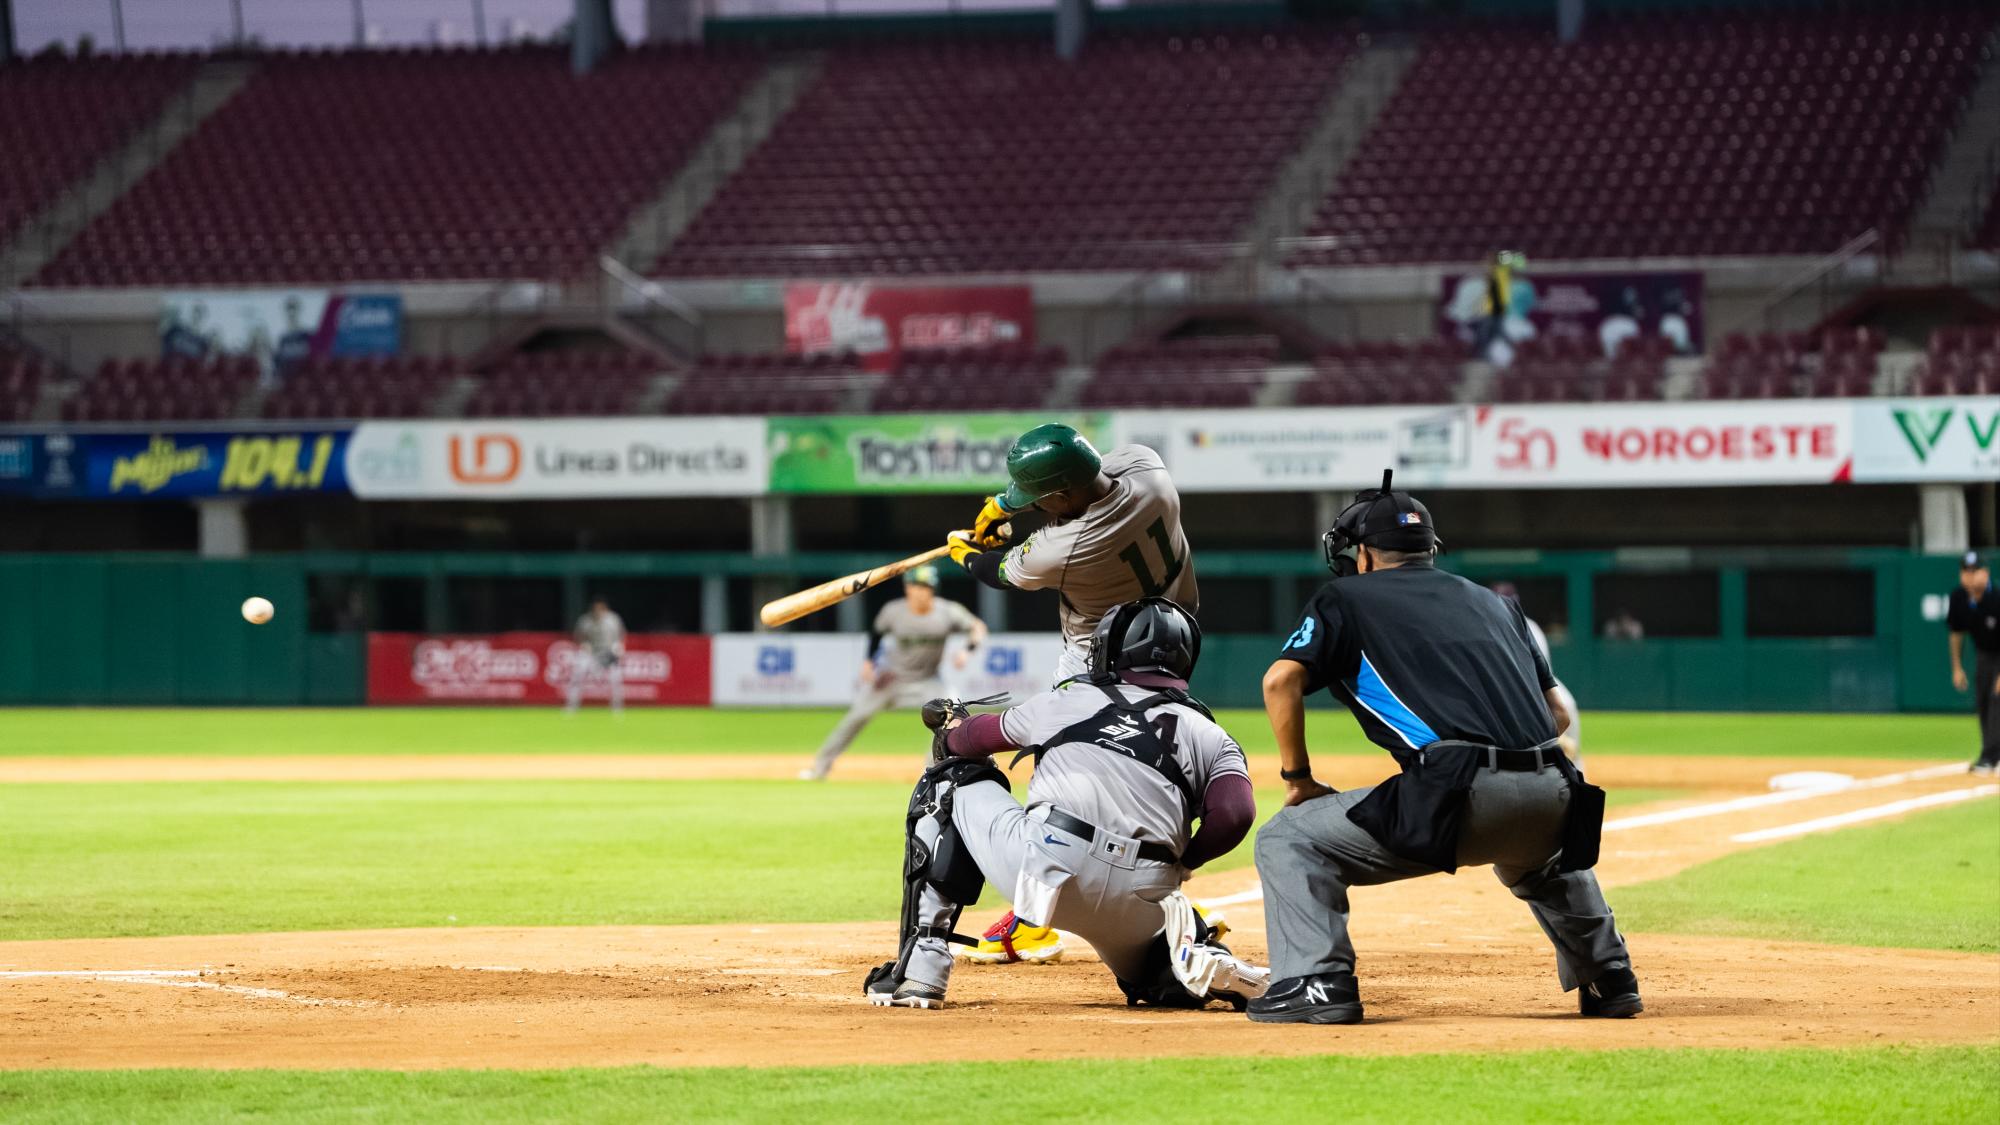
x=530 y=668
x=880 y=322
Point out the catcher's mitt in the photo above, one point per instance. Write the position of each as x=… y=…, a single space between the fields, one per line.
x=942 y=714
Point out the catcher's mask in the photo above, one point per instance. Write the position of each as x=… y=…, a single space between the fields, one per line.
x=1380 y=518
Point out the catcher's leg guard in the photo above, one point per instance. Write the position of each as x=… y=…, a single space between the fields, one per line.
x=940 y=879
x=1186 y=967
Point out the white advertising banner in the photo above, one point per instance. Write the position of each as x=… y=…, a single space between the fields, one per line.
x=500 y=459
x=1016 y=665
x=1595 y=445
x=1927 y=439
x=780 y=670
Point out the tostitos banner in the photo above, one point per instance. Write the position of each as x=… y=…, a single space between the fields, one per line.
x=878 y=323
x=531 y=668
x=898 y=453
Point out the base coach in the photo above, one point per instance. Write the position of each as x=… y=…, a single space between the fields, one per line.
x=1442 y=674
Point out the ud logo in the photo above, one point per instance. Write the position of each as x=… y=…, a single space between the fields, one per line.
x=485 y=459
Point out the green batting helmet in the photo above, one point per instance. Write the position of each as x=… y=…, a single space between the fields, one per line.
x=1048 y=458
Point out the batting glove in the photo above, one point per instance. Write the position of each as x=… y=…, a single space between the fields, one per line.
x=962 y=547
x=990 y=529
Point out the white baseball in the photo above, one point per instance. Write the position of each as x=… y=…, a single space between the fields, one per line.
x=258 y=610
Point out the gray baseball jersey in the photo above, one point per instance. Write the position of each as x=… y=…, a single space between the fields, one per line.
x=1127 y=546
x=600 y=635
x=1106 y=788
x=916 y=640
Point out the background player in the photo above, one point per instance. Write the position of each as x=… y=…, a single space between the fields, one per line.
x=1975 y=612
x=904 y=655
x=602 y=635
x=1126 y=761
x=1114 y=536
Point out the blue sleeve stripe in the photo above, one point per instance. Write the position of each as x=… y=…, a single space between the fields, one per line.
x=1374 y=694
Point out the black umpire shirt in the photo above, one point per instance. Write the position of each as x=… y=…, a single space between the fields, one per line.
x=1419 y=655
x=1980 y=619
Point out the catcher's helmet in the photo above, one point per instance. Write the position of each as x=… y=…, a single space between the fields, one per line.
x=1149 y=635
x=1048 y=458
x=1381 y=518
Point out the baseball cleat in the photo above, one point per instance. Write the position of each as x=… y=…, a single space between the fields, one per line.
x=1320 y=998
x=1983 y=769
x=810 y=774
x=1216 y=921
x=1010 y=940
x=910 y=994
x=1615 y=995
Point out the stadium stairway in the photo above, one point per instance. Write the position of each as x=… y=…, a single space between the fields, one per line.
x=1345 y=118
x=654 y=227
x=45 y=236
x=1960 y=186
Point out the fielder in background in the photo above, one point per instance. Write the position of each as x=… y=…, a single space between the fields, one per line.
x=1442 y=674
x=905 y=652
x=1125 y=763
x=1114 y=536
x=1975 y=612
x=601 y=634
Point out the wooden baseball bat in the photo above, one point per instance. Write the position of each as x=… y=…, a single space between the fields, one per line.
x=791 y=607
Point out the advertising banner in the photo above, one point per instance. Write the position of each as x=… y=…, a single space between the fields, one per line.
x=1603 y=308
x=1601 y=445
x=280 y=327
x=530 y=668
x=880 y=322
x=500 y=460
x=1016 y=665
x=781 y=670
x=157 y=466
x=903 y=452
x=1920 y=439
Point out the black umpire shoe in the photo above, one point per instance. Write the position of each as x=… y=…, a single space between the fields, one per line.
x=1615 y=995
x=1320 y=998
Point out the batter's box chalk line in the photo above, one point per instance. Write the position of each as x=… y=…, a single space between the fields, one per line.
x=186 y=978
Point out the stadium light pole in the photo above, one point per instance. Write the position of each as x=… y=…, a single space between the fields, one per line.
x=479 y=22
x=360 y=26
x=6 y=32
x=236 y=23
x=118 y=25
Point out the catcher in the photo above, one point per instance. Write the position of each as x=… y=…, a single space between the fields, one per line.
x=1126 y=763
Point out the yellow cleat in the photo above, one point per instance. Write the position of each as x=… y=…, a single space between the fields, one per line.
x=1217 y=923
x=1011 y=940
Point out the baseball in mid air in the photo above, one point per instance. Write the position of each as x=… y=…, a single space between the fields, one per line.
x=257 y=610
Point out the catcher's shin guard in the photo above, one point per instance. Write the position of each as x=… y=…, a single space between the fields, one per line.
x=935 y=859
x=1186 y=967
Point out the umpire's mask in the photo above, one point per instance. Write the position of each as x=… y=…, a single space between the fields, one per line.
x=1379 y=518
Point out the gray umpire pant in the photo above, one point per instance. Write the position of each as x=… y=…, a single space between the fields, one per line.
x=1986 y=666
x=1103 y=892
x=873 y=700
x=1309 y=854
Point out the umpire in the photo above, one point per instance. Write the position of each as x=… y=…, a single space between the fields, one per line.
x=1441 y=673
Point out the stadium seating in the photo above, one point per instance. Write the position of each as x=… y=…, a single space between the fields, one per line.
x=374 y=387
x=1960 y=361
x=1841 y=363
x=154 y=390
x=1375 y=373
x=1573 y=369
x=998 y=156
x=59 y=117
x=20 y=384
x=1199 y=371
x=767 y=384
x=970 y=379
x=1678 y=133
x=563 y=384
x=411 y=165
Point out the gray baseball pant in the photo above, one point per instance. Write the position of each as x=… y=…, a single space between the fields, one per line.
x=1103 y=893
x=1309 y=854
x=873 y=700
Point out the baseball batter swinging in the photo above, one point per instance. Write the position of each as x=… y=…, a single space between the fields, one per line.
x=1114 y=536
x=1127 y=762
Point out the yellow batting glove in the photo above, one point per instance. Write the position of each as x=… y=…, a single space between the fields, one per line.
x=990 y=528
x=962 y=546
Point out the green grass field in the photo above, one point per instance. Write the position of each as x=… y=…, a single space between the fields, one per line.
x=81 y=732
x=1915 y=1085
x=1927 y=882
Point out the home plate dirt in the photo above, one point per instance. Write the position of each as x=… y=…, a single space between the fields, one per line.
x=1447 y=964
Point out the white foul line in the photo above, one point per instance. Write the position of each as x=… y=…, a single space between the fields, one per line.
x=1873 y=812
x=1780 y=797
x=185 y=978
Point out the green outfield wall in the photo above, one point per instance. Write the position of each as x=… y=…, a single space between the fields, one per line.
x=1752 y=631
